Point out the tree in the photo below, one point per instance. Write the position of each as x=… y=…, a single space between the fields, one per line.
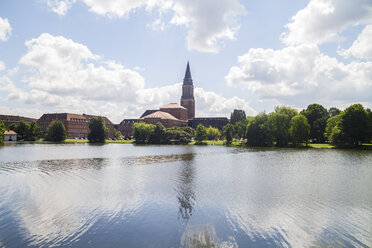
x=299 y=130
x=34 y=132
x=278 y=124
x=257 y=133
x=56 y=131
x=117 y=133
x=355 y=124
x=237 y=115
x=158 y=135
x=333 y=112
x=228 y=133
x=2 y=129
x=98 y=130
x=213 y=133
x=200 y=134
x=240 y=127
x=317 y=117
x=180 y=134
x=22 y=130
x=142 y=131
x=333 y=130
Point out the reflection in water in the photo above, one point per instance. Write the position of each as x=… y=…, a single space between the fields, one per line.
x=185 y=192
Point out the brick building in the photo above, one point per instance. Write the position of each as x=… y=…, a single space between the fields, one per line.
x=77 y=126
x=217 y=122
x=13 y=119
x=125 y=127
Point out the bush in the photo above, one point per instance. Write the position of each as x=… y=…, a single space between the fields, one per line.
x=158 y=135
x=142 y=131
x=56 y=131
x=213 y=133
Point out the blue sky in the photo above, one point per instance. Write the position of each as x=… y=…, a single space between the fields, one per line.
x=120 y=57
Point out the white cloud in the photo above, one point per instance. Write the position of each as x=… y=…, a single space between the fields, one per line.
x=2 y=66
x=362 y=47
x=61 y=75
x=323 y=20
x=5 y=29
x=209 y=22
x=301 y=75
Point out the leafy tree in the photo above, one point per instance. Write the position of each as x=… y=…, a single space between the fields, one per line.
x=333 y=112
x=240 y=127
x=333 y=130
x=142 y=131
x=355 y=124
x=317 y=117
x=117 y=133
x=98 y=130
x=278 y=124
x=180 y=134
x=33 y=132
x=22 y=130
x=228 y=133
x=56 y=131
x=257 y=132
x=200 y=134
x=237 y=115
x=299 y=130
x=158 y=135
x=2 y=129
x=213 y=133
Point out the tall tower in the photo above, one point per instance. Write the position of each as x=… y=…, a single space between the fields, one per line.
x=187 y=98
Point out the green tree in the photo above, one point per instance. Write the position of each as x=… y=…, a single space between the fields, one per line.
x=180 y=134
x=200 y=134
x=278 y=124
x=299 y=130
x=56 y=131
x=142 y=131
x=213 y=133
x=34 y=132
x=333 y=130
x=240 y=128
x=355 y=124
x=22 y=130
x=257 y=133
x=117 y=133
x=228 y=133
x=237 y=115
x=333 y=112
x=317 y=117
x=98 y=130
x=2 y=129
x=158 y=135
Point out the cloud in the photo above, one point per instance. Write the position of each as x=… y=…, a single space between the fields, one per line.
x=60 y=75
x=209 y=22
x=5 y=29
x=2 y=66
x=323 y=21
x=300 y=75
x=362 y=47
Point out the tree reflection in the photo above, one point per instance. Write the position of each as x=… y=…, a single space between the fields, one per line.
x=185 y=192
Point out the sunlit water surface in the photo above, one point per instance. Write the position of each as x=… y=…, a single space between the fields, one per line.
x=120 y=195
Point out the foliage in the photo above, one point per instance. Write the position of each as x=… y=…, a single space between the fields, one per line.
x=278 y=124
x=237 y=115
x=299 y=130
x=240 y=127
x=98 y=130
x=142 y=131
x=22 y=130
x=180 y=134
x=317 y=117
x=257 y=132
x=25 y=131
x=355 y=124
x=213 y=133
x=228 y=133
x=34 y=132
x=333 y=112
x=158 y=135
x=200 y=134
x=117 y=133
x=333 y=129
x=56 y=131
x=2 y=129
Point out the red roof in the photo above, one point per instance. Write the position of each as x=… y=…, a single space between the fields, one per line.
x=10 y=132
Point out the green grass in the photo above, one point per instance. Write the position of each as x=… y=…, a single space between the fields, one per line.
x=321 y=146
x=76 y=141
x=120 y=141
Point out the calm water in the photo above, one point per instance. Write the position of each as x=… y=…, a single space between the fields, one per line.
x=120 y=195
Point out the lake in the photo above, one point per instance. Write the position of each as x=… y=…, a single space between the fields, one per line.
x=124 y=195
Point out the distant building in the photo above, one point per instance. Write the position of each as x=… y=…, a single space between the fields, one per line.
x=125 y=127
x=12 y=119
x=187 y=98
x=77 y=126
x=217 y=122
x=10 y=135
x=167 y=119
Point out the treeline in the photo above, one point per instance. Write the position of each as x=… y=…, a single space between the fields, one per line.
x=26 y=131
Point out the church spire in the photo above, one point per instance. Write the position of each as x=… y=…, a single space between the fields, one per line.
x=187 y=78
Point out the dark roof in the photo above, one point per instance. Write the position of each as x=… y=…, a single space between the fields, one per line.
x=187 y=78
x=127 y=121
x=148 y=112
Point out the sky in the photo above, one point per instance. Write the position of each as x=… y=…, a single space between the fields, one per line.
x=118 y=58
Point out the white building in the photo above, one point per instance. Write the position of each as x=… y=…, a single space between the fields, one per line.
x=10 y=135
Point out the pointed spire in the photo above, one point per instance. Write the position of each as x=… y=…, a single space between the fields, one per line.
x=187 y=74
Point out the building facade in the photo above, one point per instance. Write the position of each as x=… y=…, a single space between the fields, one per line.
x=126 y=127
x=10 y=135
x=76 y=125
